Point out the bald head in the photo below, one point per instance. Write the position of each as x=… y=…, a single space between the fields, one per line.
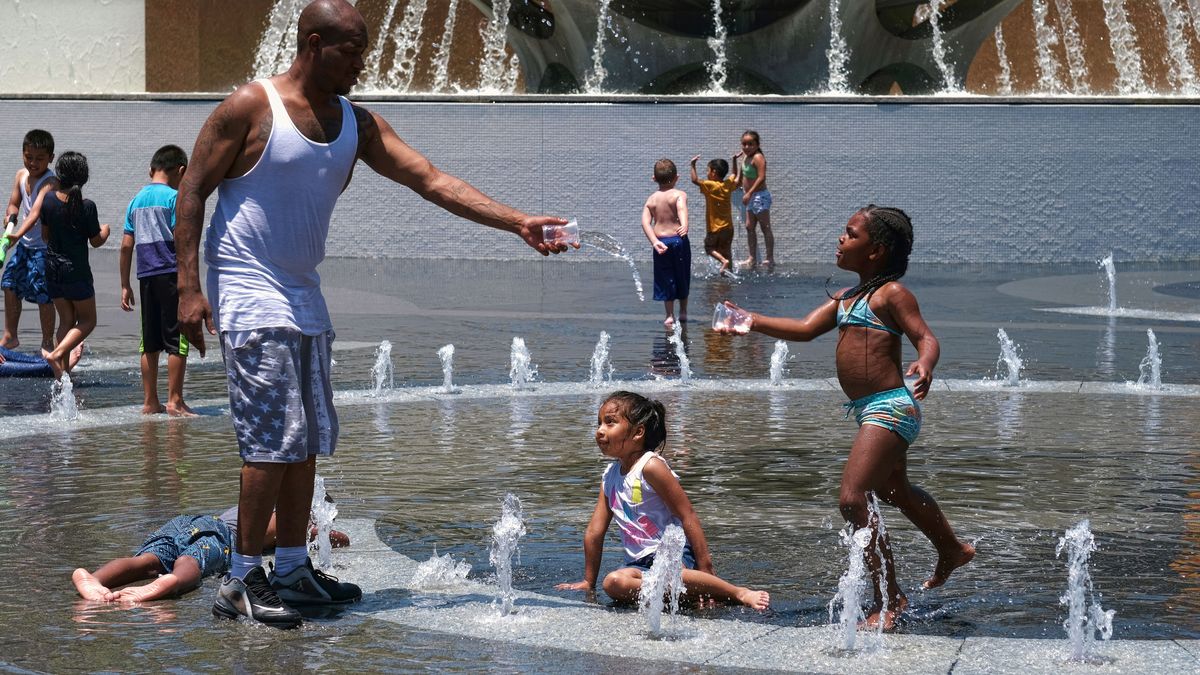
x=331 y=20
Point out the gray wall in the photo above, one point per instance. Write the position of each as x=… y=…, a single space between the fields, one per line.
x=1029 y=182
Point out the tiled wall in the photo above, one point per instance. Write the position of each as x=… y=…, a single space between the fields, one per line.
x=983 y=183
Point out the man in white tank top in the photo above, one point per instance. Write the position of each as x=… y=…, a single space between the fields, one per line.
x=279 y=152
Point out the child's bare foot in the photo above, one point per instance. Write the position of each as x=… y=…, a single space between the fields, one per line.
x=759 y=600
x=89 y=587
x=74 y=356
x=683 y=318
x=888 y=618
x=747 y=263
x=153 y=408
x=948 y=563
x=55 y=366
x=180 y=410
x=669 y=321
x=9 y=342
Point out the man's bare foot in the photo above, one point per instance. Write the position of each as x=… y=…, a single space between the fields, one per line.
x=89 y=587
x=669 y=321
x=759 y=600
x=153 y=408
x=181 y=410
x=948 y=563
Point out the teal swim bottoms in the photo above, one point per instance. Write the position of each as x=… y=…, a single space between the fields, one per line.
x=895 y=410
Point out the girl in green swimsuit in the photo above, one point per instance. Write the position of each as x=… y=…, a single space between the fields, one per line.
x=756 y=199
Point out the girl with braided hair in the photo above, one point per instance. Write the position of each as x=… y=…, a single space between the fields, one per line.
x=871 y=318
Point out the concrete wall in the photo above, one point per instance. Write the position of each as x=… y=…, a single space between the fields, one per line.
x=983 y=183
x=76 y=46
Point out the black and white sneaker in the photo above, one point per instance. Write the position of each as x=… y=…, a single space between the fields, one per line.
x=307 y=585
x=255 y=600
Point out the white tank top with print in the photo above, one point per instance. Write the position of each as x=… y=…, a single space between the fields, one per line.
x=640 y=512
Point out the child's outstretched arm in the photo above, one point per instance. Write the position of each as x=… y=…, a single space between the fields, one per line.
x=695 y=177
x=902 y=305
x=593 y=547
x=818 y=322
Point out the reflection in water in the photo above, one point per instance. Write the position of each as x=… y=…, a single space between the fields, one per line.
x=446 y=435
x=521 y=417
x=382 y=413
x=163 y=444
x=777 y=406
x=1008 y=416
x=1106 y=351
x=664 y=360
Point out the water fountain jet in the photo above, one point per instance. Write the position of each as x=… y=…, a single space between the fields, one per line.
x=506 y=534
x=1083 y=620
x=664 y=579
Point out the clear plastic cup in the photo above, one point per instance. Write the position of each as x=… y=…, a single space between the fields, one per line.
x=562 y=234
x=726 y=318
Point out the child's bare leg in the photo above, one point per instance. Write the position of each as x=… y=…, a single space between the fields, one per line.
x=702 y=585
x=150 y=402
x=176 y=367
x=12 y=319
x=46 y=318
x=83 y=313
x=669 y=308
x=764 y=221
x=184 y=577
x=90 y=588
x=122 y=571
x=873 y=458
x=920 y=508
x=751 y=240
x=683 y=309
x=624 y=584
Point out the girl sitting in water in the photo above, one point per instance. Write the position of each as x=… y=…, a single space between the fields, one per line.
x=871 y=317
x=644 y=495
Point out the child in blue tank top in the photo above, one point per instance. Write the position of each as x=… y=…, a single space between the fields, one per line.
x=644 y=496
x=872 y=317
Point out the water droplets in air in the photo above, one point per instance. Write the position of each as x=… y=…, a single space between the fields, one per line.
x=381 y=372
x=1045 y=38
x=506 y=534
x=1150 y=369
x=685 y=366
x=608 y=244
x=1004 y=77
x=497 y=71
x=1073 y=43
x=718 y=67
x=1183 y=74
x=277 y=46
x=594 y=84
x=62 y=400
x=602 y=368
x=938 y=46
x=663 y=580
x=838 y=52
x=1125 y=54
x=441 y=59
x=1009 y=363
x=778 y=362
x=521 y=369
x=323 y=513
x=1085 y=616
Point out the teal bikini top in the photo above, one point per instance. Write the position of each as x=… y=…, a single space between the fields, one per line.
x=749 y=171
x=860 y=314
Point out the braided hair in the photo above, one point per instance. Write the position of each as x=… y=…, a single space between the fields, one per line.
x=72 y=171
x=891 y=228
x=639 y=410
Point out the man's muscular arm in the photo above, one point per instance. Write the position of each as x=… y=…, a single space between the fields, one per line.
x=383 y=150
x=218 y=146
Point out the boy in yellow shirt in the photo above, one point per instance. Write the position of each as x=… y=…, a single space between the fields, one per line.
x=718 y=211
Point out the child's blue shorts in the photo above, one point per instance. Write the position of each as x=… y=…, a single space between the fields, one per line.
x=895 y=410
x=204 y=538
x=25 y=274
x=645 y=562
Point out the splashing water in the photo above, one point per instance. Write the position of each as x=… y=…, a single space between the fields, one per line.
x=1182 y=71
x=1045 y=37
x=594 y=84
x=323 y=513
x=440 y=572
x=778 y=361
x=521 y=371
x=373 y=63
x=62 y=400
x=1009 y=359
x=608 y=244
x=1110 y=271
x=506 y=534
x=1083 y=620
x=838 y=52
x=381 y=372
x=1125 y=54
x=685 y=366
x=1004 y=77
x=1076 y=63
x=717 y=69
x=277 y=47
x=664 y=579
x=852 y=586
x=1150 y=368
x=938 y=43
x=496 y=69
x=406 y=39
x=602 y=368
x=441 y=60
x=446 y=354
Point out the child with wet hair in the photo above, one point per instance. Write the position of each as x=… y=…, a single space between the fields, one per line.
x=641 y=491
x=872 y=317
